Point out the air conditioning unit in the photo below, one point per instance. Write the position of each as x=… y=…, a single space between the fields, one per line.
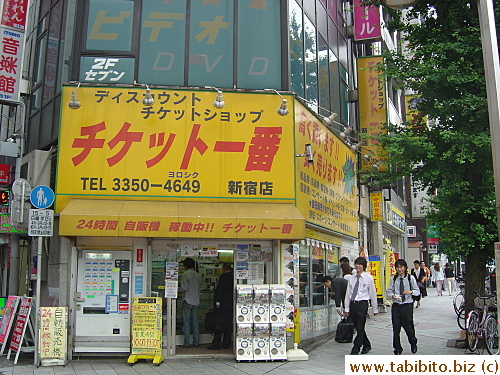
x=36 y=168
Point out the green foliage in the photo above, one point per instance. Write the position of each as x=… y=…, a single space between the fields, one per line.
x=443 y=63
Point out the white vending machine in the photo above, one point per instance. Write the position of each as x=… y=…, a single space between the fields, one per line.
x=277 y=344
x=261 y=333
x=261 y=303
x=244 y=303
x=244 y=342
x=277 y=309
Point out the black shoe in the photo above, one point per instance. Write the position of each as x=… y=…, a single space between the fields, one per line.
x=225 y=347
x=397 y=353
x=366 y=350
x=213 y=348
x=414 y=349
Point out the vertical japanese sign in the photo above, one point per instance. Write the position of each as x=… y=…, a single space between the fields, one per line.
x=326 y=191
x=53 y=332
x=390 y=270
x=366 y=22
x=376 y=206
x=372 y=110
x=289 y=278
x=376 y=272
x=179 y=148
x=20 y=324
x=146 y=326
x=171 y=279
x=7 y=319
x=11 y=44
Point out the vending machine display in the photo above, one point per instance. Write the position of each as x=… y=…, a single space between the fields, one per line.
x=261 y=333
x=277 y=308
x=261 y=304
x=244 y=303
x=244 y=342
x=277 y=344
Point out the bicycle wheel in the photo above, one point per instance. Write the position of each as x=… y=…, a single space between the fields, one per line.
x=461 y=318
x=471 y=332
x=491 y=335
x=458 y=302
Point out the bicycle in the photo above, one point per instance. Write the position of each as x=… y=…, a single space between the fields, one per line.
x=459 y=299
x=461 y=318
x=481 y=323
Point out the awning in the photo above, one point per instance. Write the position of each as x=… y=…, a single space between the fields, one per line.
x=112 y=218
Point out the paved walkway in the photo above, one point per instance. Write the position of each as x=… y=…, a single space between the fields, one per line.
x=435 y=323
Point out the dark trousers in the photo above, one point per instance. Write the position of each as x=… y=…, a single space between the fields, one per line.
x=357 y=312
x=402 y=316
x=224 y=335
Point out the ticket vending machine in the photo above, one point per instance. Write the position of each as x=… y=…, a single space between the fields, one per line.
x=103 y=301
x=244 y=303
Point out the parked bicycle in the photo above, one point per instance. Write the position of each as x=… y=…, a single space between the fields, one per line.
x=459 y=299
x=482 y=324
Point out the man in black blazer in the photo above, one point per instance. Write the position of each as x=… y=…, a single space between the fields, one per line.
x=224 y=304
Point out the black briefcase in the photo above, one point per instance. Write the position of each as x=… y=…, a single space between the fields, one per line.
x=345 y=331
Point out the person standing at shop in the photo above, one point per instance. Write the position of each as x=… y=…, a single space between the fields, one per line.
x=402 y=289
x=224 y=306
x=190 y=285
x=360 y=290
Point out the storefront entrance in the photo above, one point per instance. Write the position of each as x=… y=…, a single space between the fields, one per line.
x=252 y=264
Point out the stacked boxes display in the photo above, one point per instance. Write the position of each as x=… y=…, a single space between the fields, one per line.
x=261 y=322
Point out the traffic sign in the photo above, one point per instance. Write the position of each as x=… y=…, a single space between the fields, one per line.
x=42 y=196
x=21 y=189
x=41 y=223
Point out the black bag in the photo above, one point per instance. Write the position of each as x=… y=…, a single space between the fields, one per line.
x=345 y=331
x=216 y=321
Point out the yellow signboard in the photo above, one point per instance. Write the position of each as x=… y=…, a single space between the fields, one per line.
x=320 y=236
x=372 y=109
x=413 y=115
x=180 y=148
x=326 y=191
x=376 y=206
x=53 y=326
x=146 y=326
x=376 y=272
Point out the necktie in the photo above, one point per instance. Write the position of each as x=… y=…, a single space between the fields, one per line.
x=355 y=290
x=401 y=289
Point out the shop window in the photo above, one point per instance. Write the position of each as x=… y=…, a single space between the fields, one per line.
x=318 y=273
x=304 y=287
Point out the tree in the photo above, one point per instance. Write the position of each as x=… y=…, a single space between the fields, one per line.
x=442 y=62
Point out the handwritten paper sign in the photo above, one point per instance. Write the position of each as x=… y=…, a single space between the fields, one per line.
x=146 y=326
x=53 y=325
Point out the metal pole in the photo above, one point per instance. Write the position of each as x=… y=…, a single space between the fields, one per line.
x=37 y=299
x=492 y=73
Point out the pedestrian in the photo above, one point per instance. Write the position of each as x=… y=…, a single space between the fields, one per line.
x=223 y=297
x=419 y=274
x=450 y=278
x=338 y=288
x=346 y=270
x=190 y=285
x=345 y=260
x=360 y=290
x=438 y=277
x=402 y=288
x=427 y=276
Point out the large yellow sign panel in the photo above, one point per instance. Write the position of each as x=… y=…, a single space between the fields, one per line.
x=180 y=148
x=326 y=190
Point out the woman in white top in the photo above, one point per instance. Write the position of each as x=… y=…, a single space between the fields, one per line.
x=346 y=271
x=438 y=277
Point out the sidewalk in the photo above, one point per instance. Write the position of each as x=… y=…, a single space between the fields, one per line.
x=435 y=323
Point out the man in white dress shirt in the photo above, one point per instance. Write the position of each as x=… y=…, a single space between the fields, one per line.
x=360 y=290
